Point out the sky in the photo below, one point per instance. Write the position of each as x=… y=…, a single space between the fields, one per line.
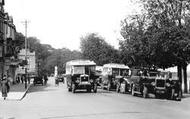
x=61 y=23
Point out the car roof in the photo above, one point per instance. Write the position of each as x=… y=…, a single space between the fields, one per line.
x=80 y=62
x=115 y=65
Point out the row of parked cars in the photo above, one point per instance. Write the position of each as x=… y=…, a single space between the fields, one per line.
x=82 y=74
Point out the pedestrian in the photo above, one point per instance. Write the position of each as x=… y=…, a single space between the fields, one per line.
x=45 y=79
x=4 y=85
x=9 y=81
x=56 y=81
x=18 y=79
x=28 y=79
x=22 y=79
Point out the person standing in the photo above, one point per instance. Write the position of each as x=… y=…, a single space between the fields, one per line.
x=4 y=85
x=45 y=79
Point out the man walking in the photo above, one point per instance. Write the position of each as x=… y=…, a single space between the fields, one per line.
x=5 y=86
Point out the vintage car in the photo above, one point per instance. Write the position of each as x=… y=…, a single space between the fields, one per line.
x=142 y=82
x=171 y=89
x=80 y=74
x=60 y=78
x=112 y=75
x=158 y=83
x=38 y=80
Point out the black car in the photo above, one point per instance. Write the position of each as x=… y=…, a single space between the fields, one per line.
x=60 y=78
x=38 y=80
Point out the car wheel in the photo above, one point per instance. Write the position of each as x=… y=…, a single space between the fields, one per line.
x=88 y=89
x=145 y=92
x=69 y=89
x=118 y=88
x=95 y=88
x=157 y=95
x=178 y=98
x=109 y=86
x=133 y=90
x=73 y=88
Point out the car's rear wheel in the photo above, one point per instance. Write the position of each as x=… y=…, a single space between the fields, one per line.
x=133 y=90
x=73 y=88
x=95 y=88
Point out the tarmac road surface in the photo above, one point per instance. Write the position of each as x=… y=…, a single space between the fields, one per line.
x=55 y=102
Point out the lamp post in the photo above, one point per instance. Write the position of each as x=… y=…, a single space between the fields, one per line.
x=26 y=74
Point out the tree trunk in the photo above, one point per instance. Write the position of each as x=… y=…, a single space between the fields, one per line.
x=185 y=78
x=179 y=74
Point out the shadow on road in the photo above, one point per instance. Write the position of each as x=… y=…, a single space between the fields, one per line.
x=40 y=88
x=187 y=95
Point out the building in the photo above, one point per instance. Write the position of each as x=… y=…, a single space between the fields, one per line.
x=31 y=62
x=8 y=54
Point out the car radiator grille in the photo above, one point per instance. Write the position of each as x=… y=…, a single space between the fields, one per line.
x=84 y=78
x=160 y=83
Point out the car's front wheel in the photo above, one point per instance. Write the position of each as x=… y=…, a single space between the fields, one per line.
x=145 y=92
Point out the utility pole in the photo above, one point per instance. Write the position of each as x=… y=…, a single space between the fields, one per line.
x=26 y=45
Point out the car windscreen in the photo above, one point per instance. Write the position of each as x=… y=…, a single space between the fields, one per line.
x=124 y=72
x=153 y=74
x=79 y=70
x=84 y=69
x=115 y=71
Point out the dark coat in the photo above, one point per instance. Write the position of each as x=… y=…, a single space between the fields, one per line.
x=4 y=88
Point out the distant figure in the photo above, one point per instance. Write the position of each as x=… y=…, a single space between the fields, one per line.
x=18 y=79
x=28 y=79
x=5 y=85
x=45 y=79
x=56 y=81
x=22 y=78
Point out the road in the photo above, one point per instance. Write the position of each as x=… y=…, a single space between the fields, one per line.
x=55 y=102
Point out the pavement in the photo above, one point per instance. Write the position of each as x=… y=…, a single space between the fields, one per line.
x=17 y=92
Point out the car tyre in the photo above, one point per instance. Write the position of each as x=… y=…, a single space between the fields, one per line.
x=109 y=86
x=95 y=88
x=145 y=92
x=69 y=89
x=118 y=88
x=73 y=88
x=133 y=90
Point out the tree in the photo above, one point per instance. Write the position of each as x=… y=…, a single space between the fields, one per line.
x=95 y=48
x=161 y=37
x=42 y=52
x=59 y=57
x=135 y=49
x=171 y=20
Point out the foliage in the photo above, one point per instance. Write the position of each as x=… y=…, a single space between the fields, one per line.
x=95 y=48
x=59 y=57
x=160 y=36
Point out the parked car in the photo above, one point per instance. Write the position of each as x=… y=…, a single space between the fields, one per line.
x=38 y=80
x=112 y=75
x=80 y=74
x=60 y=78
x=158 y=83
x=141 y=82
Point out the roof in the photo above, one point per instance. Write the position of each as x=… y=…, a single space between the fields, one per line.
x=115 y=65
x=80 y=62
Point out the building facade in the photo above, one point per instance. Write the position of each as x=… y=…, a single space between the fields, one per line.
x=8 y=54
x=31 y=62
